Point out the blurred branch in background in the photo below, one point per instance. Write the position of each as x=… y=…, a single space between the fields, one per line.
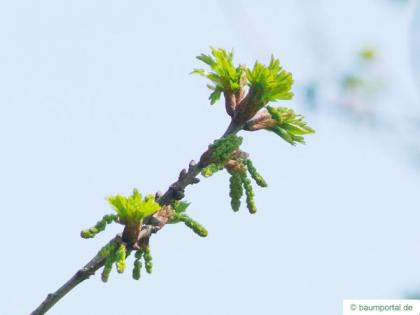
x=366 y=91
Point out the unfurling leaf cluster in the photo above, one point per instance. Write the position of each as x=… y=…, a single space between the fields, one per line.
x=130 y=211
x=179 y=215
x=133 y=209
x=224 y=75
x=266 y=83
x=269 y=83
x=288 y=125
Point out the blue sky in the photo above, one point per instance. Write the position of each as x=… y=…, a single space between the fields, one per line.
x=96 y=98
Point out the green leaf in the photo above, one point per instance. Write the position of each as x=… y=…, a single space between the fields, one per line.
x=206 y=59
x=270 y=83
x=215 y=96
x=223 y=74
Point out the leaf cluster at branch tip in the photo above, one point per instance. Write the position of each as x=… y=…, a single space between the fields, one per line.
x=133 y=209
x=270 y=83
x=288 y=125
x=224 y=75
x=266 y=83
x=130 y=211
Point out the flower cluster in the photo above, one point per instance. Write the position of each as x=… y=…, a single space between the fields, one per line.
x=225 y=154
x=148 y=263
x=133 y=209
x=239 y=181
x=113 y=253
x=130 y=212
x=220 y=153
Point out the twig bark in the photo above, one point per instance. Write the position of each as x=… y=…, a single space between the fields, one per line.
x=174 y=192
x=81 y=275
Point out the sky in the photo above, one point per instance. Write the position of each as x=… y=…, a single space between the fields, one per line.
x=97 y=98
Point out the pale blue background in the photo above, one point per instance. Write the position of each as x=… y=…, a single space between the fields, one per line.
x=96 y=98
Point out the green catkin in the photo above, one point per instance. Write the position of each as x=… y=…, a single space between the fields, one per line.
x=139 y=253
x=180 y=206
x=148 y=263
x=254 y=174
x=137 y=269
x=120 y=256
x=108 y=249
x=235 y=191
x=193 y=225
x=108 y=267
x=211 y=169
x=221 y=149
x=250 y=202
x=99 y=226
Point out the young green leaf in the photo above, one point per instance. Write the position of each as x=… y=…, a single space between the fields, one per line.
x=133 y=209
x=224 y=75
x=288 y=125
x=270 y=83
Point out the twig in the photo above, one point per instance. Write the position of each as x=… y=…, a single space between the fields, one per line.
x=81 y=275
x=174 y=192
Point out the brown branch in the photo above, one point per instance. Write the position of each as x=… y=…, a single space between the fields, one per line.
x=80 y=276
x=152 y=225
